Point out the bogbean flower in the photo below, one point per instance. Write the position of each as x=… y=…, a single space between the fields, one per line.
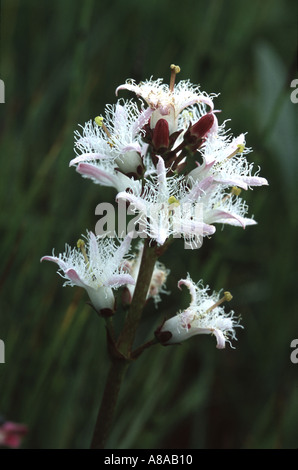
x=111 y=147
x=95 y=265
x=205 y=315
x=224 y=159
x=168 y=208
x=168 y=101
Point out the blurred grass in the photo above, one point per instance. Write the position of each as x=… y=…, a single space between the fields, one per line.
x=61 y=63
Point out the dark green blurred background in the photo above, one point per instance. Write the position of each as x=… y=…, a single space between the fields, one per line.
x=61 y=62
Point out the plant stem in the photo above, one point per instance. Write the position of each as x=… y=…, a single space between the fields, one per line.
x=122 y=351
x=108 y=405
x=127 y=336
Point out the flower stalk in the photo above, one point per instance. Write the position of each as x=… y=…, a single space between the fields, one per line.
x=123 y=350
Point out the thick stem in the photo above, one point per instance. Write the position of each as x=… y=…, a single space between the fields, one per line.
x=119 y=365
x=108 y=405
x=127 y=336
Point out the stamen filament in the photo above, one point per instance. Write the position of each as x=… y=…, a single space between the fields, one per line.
x=239 y=149
x=235 y=191
x=174 y=70
x=99 y=121
x=81 y=246
x=226 y=298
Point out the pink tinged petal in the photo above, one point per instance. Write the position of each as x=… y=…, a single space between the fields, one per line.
x=136 y=201
x=126 y=86
x=198 y=173
x=221 y=341
x=133 y=147
x=93 y=247
x=200 y=188
x=161 y=175
x=87 y=157
x=123 y=249
x=232 y=181
x=54 y=259
x=141 y=121
x=255 y=181
x=101 y=176
x=214 y=127
x=119 y=116
x=200 y=229
x=120 y=280
x=242 y=181
x=191 y=287
x=208 y=229
x=73 y=276
x=197 y=99
x=220 y=216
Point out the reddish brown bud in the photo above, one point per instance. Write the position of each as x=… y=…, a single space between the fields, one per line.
x=202 y=126
x=126 y=297
x=162 y=336
x=160 y=139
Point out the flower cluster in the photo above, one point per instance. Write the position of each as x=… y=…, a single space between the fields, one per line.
x=180 y=171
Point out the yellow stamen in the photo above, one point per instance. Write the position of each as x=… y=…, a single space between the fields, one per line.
x=235 y=191
x=174 y=70
x=99 y=121
x=174 y=201
x=81 y=246
x=240 y=149
x=226 y=298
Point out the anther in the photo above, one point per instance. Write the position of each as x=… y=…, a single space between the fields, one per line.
x=174 y=70
x=81 y=246
x=99 y=121
x=235 y=191
x=226 y=298
x=240 y=149
x=173 y=200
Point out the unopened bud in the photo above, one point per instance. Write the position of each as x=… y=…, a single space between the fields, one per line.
x=160 y=138
x=201 y=128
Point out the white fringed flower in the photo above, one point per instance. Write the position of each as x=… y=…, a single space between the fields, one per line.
x=205 y=315
x=167 y=101
x=114 y=140
x=224 y=159
x=167 y=207
x=96 y=266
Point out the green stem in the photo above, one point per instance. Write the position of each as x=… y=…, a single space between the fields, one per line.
x=127 y=336
x=120 y=353
x=108 y=405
